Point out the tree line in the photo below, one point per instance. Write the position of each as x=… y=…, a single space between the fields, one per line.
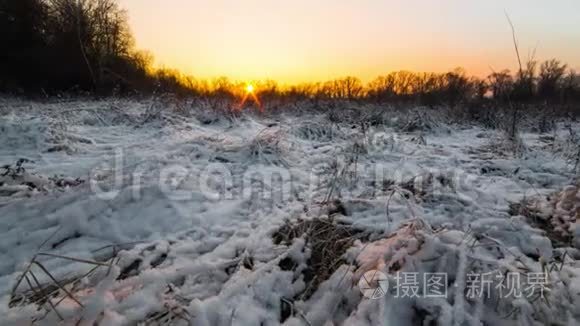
x=53 y=46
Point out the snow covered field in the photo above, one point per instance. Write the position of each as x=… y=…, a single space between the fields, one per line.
x=173 y=218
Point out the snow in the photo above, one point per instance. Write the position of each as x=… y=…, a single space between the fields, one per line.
x=184 y=203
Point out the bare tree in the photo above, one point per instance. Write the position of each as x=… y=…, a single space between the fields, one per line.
x=501 y=84
x=550 y=79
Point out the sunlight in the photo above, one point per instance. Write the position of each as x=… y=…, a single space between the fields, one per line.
x=250 y=95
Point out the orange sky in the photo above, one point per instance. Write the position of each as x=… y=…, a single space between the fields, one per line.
x=300 y=40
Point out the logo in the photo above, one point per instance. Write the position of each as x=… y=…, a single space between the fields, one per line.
x=373 y=285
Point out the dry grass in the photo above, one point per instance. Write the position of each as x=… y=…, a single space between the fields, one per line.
x=573 y=152
x=315 y=131
x=418 y=121
x=267 y=147
x=328 y=241
x=29 y=290
x=15 y=179
x=528 y=209
x=500 y=146
x=173 y=312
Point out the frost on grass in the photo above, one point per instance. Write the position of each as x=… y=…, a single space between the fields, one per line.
x=268 y=147
x=17 y=181
x=370 y=190
x=557 y=214
x=316 y=131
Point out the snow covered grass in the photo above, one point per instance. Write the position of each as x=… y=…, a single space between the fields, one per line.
x=162 y=213
x=557 y=214
x=327 y=241
x=17 y=182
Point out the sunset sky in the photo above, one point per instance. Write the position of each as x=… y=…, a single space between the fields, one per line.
x=308 y=40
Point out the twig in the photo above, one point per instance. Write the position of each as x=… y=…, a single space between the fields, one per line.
x=91 y=262
x=515 y=41
x=58 y=284
x=48 y=299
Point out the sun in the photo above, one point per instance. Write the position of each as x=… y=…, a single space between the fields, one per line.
x=251 y=96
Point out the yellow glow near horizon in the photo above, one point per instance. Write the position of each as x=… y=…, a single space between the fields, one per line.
x=250 y=88
x=304 y=41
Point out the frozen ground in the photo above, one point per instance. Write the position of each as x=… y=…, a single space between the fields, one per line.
x=181 y=209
